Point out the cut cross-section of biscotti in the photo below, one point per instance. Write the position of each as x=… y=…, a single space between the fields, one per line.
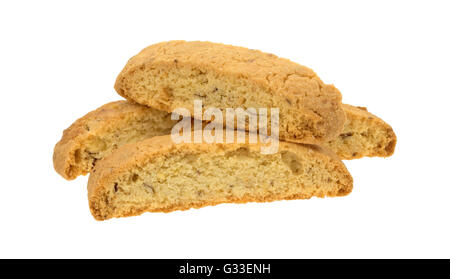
x=99 y=132
x=157 y=175
x=96 y=134
x=173 y=74
x=364 y=134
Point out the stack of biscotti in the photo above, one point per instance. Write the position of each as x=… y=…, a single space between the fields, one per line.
x=135 y=166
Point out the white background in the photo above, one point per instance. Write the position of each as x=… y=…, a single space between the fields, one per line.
x=59 y=60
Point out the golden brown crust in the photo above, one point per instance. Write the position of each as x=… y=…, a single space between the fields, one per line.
x=132 y=156
x=104 y=120
x=296 y=89
x=198 y=205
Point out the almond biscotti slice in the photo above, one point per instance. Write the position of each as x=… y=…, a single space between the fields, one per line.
x=173 y=74
x=99 y=132
x=364 y=135
x=121 y=122
x=158 y=175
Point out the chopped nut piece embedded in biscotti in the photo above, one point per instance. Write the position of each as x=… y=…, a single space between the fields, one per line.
x=364 y=135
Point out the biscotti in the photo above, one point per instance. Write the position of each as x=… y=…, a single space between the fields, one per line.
x=99 y=132
x=157 y=175
x=364 y=135
x=173 y=74
x=121 y=122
